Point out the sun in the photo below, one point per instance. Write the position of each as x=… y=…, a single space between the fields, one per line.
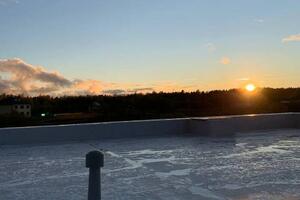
x=250 y=87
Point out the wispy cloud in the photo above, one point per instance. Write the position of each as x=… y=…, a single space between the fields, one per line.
x=259 y=20
x=7 y=2
x=243 y=79
x=211 y=47
x=225 y=60
x=114 y=92
x=291 y=38
x=19 y=77
x=127 y=91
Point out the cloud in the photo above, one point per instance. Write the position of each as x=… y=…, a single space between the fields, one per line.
x=4 y=85
x=141 y=90
x=21 y=72
x=19 y=77
x=7 y=2
x=211 y=47
x=260 y=21
x=25 y=78
x=88 y=86
x=243 y=79
x=291 y=38
x=114 y=92
x=225 y=61
x=128 y=91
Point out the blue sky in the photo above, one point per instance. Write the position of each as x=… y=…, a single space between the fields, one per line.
x=151 y=42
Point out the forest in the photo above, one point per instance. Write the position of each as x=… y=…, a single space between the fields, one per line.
x=82 y=109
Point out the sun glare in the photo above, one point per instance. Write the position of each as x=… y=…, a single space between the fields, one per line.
x=250 y=87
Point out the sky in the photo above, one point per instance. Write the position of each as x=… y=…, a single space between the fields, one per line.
x=124 y=46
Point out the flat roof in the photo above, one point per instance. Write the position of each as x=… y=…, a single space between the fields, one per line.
x=258 y=165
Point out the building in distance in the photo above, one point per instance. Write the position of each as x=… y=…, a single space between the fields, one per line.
x=23 y=109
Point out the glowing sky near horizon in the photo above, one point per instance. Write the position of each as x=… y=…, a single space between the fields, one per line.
x=159 y=44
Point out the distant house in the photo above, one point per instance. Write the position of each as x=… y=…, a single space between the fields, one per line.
x=20 y=108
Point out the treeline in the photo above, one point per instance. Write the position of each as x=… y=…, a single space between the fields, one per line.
x=154 y=105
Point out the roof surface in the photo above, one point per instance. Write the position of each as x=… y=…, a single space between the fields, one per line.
x=258 y=165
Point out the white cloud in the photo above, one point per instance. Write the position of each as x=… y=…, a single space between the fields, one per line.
x=225 y=60
x=24 y=78
x=19 y=77
x=292 y=38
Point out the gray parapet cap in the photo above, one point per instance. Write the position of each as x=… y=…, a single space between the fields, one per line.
x=94 y=159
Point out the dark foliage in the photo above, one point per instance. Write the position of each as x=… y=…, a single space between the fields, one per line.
x=153 y=105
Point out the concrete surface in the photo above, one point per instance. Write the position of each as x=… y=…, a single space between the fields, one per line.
x=249 y=166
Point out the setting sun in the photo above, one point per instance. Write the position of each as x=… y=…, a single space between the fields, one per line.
x=250 y=87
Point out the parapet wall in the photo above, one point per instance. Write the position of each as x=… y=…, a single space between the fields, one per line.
x=91 y=131
x=296 y=121
x=211 y=126
x=229 y=125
